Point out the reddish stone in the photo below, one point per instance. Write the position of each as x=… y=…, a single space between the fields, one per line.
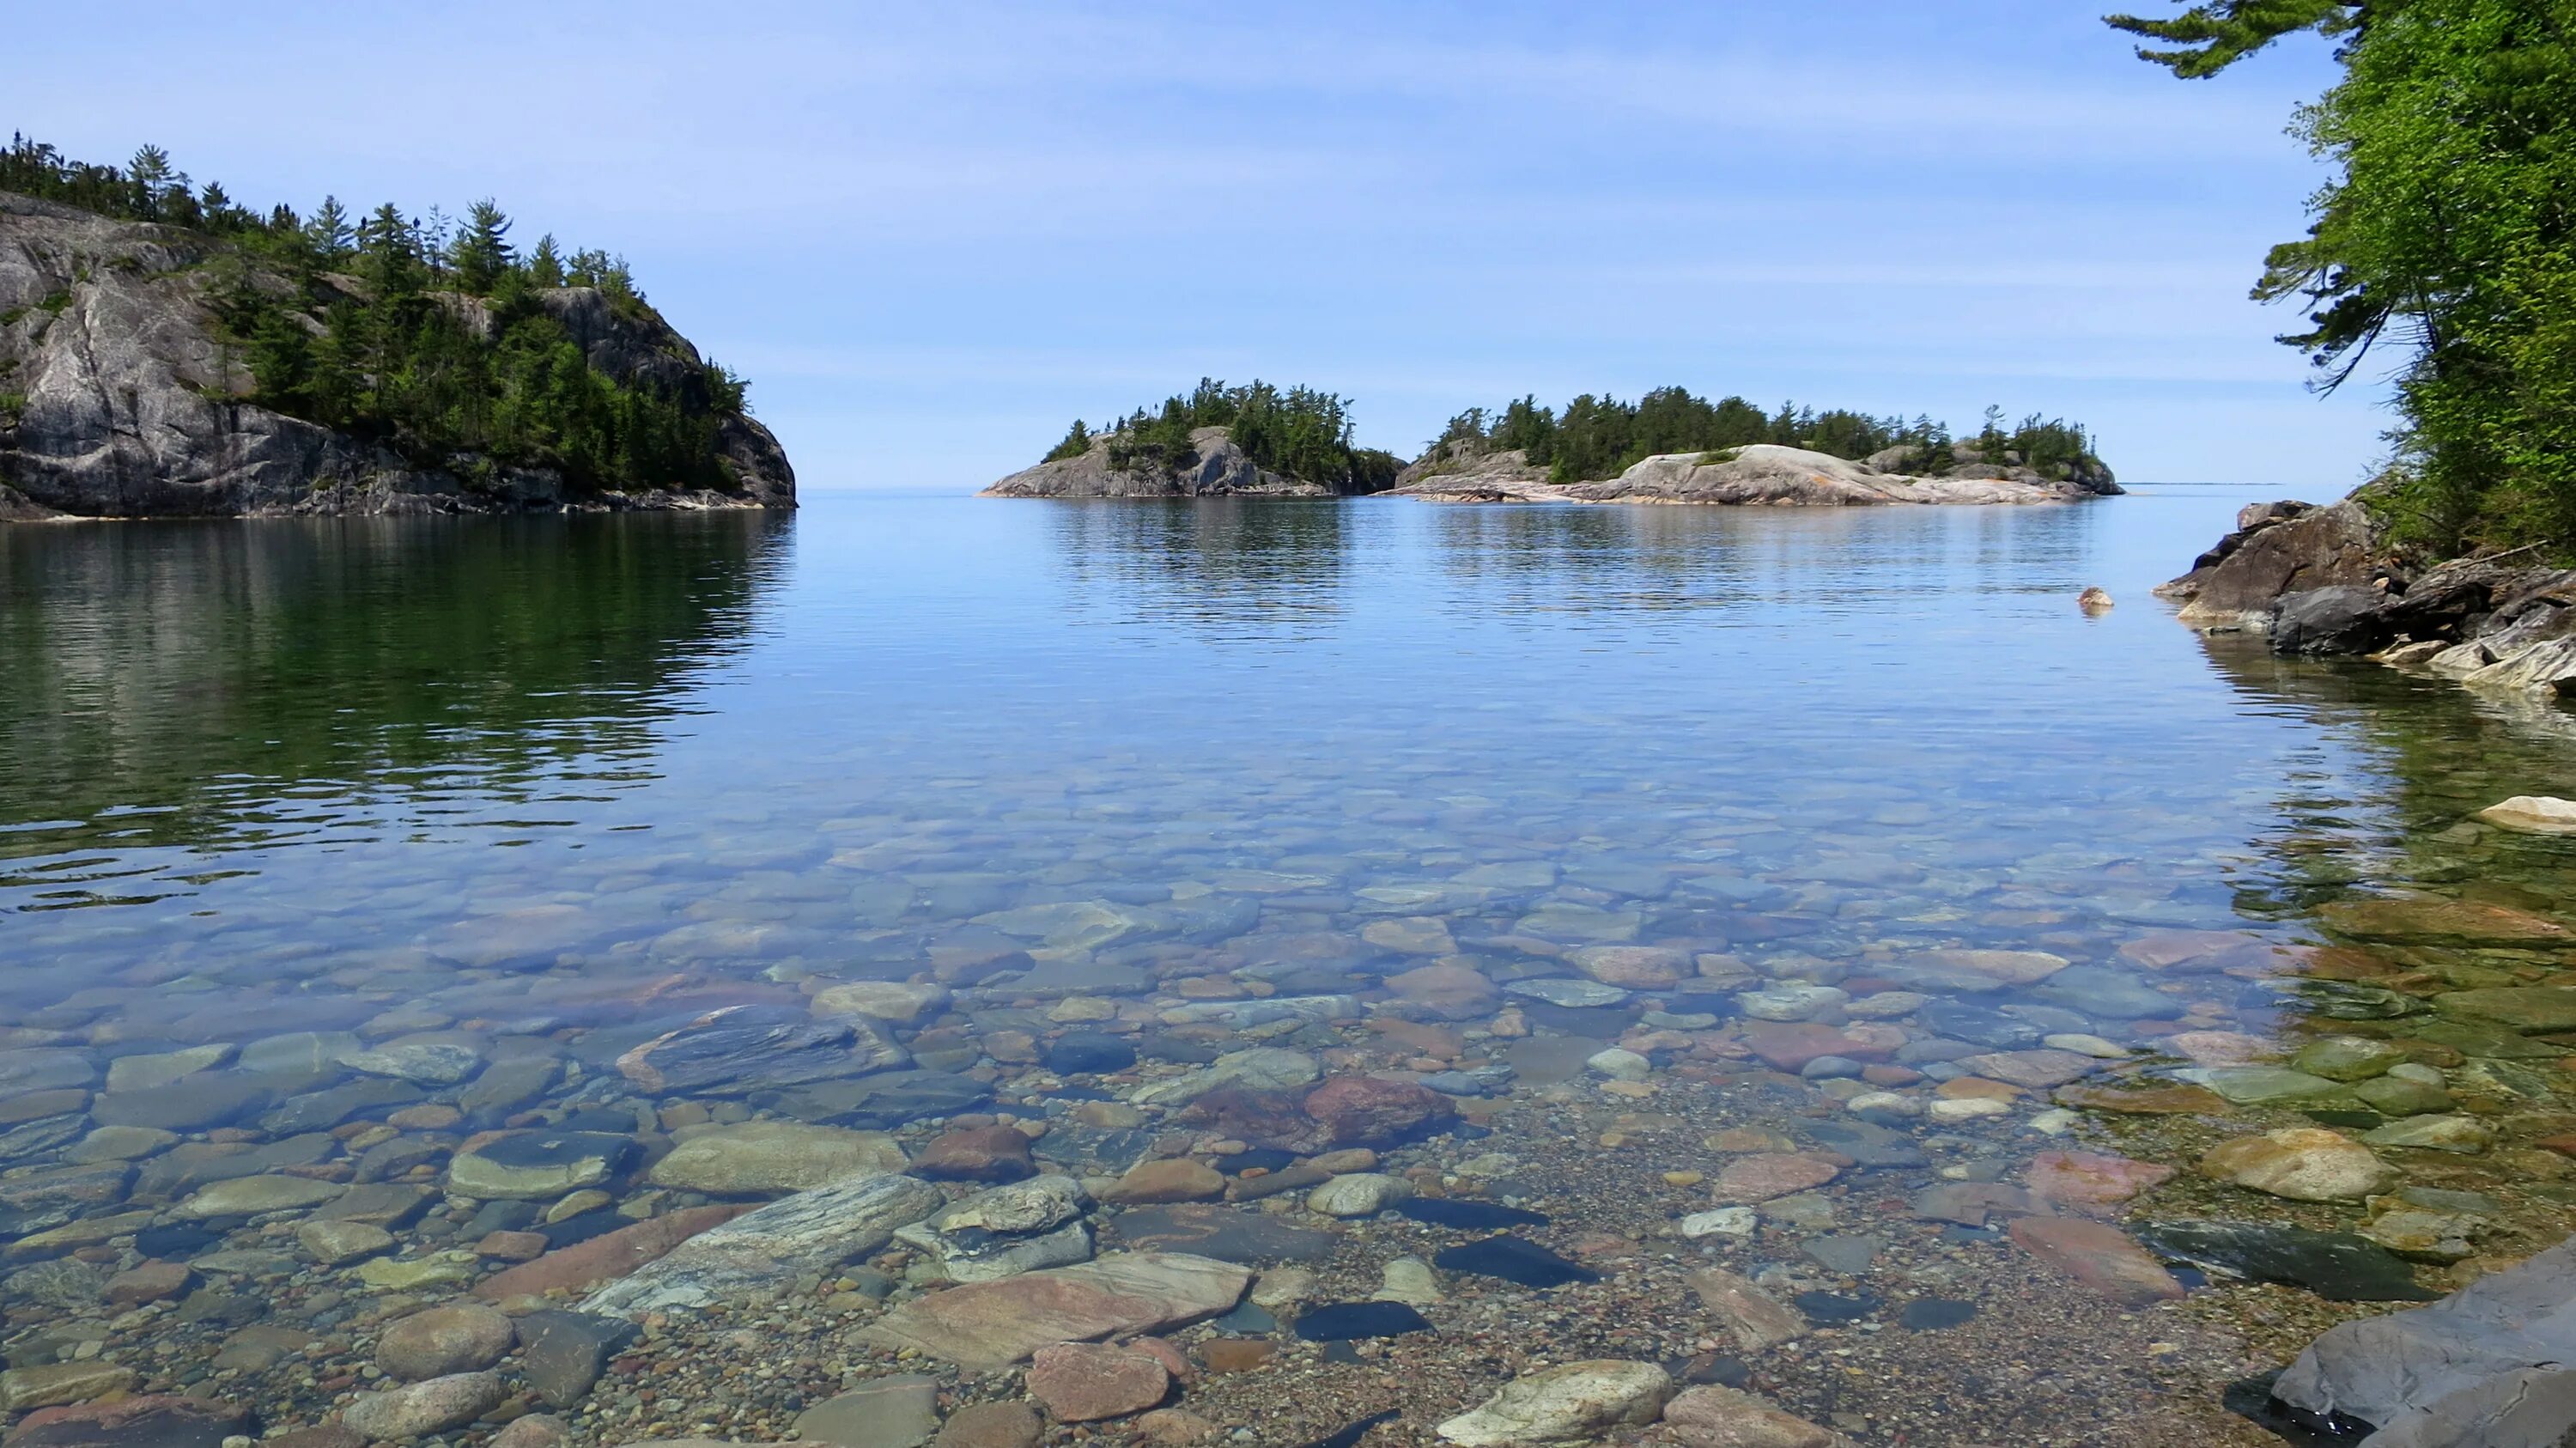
x=147 y=1282
x=1370 y=1111
x=1176 y=1180
x=2563 y=1145
x=155 y=1420
x=2147 y=1101
x=1086 y=1382
x=322 y=1435
x=1236 y=1354
x=1174 y=1427
x=1790 y=1045
x=1760 y=1177
x=1263 y=1118
x=2091 y=1181
x=983 y=1154
x=991 y=1425
x=584 y=1265
x=1446 y=992
x=2098 y=1255
x=512 y=1246
x=1890 y=1075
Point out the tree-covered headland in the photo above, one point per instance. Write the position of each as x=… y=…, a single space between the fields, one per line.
x=1601 y=437
x=1298 y=433
x=442 y=338
x=2443 y=248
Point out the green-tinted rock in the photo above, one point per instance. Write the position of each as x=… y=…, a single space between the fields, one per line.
x=447 y=1269
x=2476 y=1040
x=2502 y=1078
x=250 y=1196
x=2260 y=1085
x=2347 y=1058
x=2532 y=1010
x=2464 y=1134
x=2397 y=1096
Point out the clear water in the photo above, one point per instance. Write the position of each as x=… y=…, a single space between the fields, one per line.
x=570 y=781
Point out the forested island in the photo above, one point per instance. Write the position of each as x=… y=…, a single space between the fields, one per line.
x=167 y=350
x=1671 y=445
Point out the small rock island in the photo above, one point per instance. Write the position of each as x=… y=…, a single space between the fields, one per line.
x=1669 y=447
x=165 y=352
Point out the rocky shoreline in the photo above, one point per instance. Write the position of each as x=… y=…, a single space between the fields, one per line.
x=1760 y=475
x=121 y=398
x=2325 y=582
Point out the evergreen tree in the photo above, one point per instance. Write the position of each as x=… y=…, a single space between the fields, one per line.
x=545 y=264
x=329 y=232
x=481 y=252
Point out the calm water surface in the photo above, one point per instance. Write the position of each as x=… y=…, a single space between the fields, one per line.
x=546 y=790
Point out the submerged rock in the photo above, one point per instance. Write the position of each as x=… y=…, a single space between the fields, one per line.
x=2305 y=1164
x=2338 y=1266
x=759 y=1158
x=1723 y=1417
x=1575 y=1402
x=741 y=1049
x=1353 y=1321
x=1086 y=1382
x=2533 y=815
x=993 y=1324
x=751 y=1256
x=1513 y=1260
x=2098 y=1255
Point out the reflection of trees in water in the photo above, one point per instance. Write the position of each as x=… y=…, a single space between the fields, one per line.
x=2378 y=805
x=1209 y=564
x=1679 y=556
x=192 y=669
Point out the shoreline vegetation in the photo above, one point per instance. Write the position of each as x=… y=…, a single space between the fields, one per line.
x=336 y=363
x=1670 y=446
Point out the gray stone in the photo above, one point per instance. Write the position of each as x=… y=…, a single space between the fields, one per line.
x=253 y=1195
x=893 y=1412
x=1571 y=1403
x=1262 y=1068
x=764 y=1158
x=444 y=1341
x=539 y=1165
x=424 y=1408
x=749 y=1257
x=562 y=1354
x=2485 y=1366
x=1579 y=994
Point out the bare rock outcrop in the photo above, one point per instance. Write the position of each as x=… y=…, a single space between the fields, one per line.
x=1761 y=475
x=1220 y=469
x=120 y=398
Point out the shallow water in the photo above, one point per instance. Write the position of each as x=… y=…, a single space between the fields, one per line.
x=544 y=790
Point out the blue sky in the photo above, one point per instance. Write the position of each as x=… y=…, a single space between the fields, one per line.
x=932 y=235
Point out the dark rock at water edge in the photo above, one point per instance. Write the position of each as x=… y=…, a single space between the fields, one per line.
x=1935 y=1314
x=1836 y=1307
x=1350 y=1321
x=1513 y=1260
x=2338 y=1266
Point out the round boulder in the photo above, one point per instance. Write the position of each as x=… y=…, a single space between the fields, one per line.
x=443 y=1341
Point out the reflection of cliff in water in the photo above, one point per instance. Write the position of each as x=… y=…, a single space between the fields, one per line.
x=163 y=681
x=1211 y=565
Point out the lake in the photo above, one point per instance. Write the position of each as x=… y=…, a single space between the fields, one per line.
x=1752 y=893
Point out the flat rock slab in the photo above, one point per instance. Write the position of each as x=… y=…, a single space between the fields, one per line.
x=140 y=1422
x=2335 y=1265
x=2483 y=1366
x=2531 y=1010
x=752 y=1255
x=740 y=1049
x=605 y=1258
x=1227 y=1234
x=2428 y=921
x=994 y=1324
x=2098 y=1255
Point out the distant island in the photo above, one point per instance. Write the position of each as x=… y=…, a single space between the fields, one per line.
x=166 y=351
x=1669 y=446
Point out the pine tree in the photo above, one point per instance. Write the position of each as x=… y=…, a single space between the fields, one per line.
x=545 y=264
x=152 y=179
x=481 y=252
x=329 y=232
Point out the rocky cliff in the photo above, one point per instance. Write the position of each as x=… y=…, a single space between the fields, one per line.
x=1219 y=469
x=119 y=396
x=2326 y=581
x=1760 y=475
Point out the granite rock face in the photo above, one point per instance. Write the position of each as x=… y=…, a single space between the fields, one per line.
x=121 y=401
x=1764 y=474
x=2278 y=549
